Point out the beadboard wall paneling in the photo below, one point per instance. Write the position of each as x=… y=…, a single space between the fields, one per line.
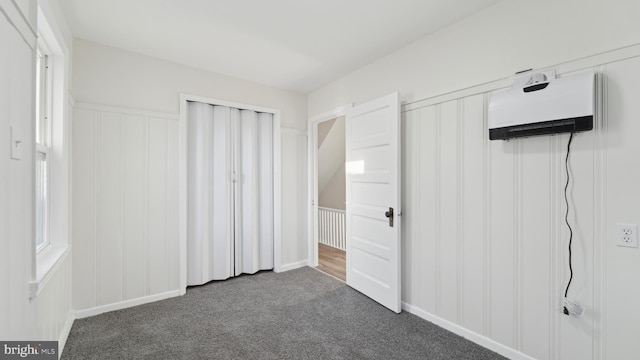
x=485 y=245
x=53 y=312
x=620 y=192
x=109 y=208
x=447 y=166
x=161 y=261
x=535 y=243
x=502 y=229
x=84 y=207
x=472 y=200
x=125 y=226
x=293 y=157
x=428 y=225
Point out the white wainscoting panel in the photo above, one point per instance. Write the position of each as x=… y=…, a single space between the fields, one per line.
x=472 y=210
x=125 y=228
x=485 y=246
x=294 y=152
x=53 y=306
x=617 y=201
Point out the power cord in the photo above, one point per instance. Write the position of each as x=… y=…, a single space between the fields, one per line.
x=566 y=220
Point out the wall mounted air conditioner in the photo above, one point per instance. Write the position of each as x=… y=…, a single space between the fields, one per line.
x=539 y=104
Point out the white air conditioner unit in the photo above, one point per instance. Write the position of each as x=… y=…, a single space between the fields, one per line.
x=536 y=105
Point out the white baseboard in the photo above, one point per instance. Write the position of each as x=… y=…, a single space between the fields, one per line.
x=64 y=333
x=467 y=334
x=79 y=314
x=291 y=266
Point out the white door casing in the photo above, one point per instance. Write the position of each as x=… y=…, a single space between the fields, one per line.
x=313 y=180
x=373 y=188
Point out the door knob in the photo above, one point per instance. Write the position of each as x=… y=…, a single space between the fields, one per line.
x=389 y=214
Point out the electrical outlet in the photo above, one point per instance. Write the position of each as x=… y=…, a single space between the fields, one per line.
x=627 y=235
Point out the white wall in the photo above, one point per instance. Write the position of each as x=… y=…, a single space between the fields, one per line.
x=505 y=38
x=335 y=192
x=109 y=76
x=125 y=171
x=484 y=246
x=331 y=164
x=48 y=316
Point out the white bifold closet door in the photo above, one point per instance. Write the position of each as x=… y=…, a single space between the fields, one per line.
x=230 y=192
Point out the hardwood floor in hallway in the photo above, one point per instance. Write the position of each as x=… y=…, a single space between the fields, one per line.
x=332 y=261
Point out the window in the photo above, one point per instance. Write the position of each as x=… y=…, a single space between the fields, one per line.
x=51 y=156
x=43 y=148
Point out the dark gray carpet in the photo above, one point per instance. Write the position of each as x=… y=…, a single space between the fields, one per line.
x=299 y=314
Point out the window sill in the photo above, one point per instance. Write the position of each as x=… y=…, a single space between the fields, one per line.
x=47 y=262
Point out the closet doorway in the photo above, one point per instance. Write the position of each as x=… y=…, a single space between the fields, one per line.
x=330 y=196
x=229 y=190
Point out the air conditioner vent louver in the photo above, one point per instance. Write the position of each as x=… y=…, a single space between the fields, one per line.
x=557 y=106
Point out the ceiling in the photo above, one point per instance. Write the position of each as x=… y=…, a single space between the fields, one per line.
x=296 y=45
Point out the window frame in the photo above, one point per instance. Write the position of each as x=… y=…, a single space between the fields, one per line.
x=47 y=259
x=44 y=95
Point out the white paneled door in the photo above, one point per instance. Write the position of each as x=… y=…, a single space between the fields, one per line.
x=373 y=199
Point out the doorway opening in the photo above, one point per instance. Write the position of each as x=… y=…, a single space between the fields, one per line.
x=372 y=192
x=331 y=197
